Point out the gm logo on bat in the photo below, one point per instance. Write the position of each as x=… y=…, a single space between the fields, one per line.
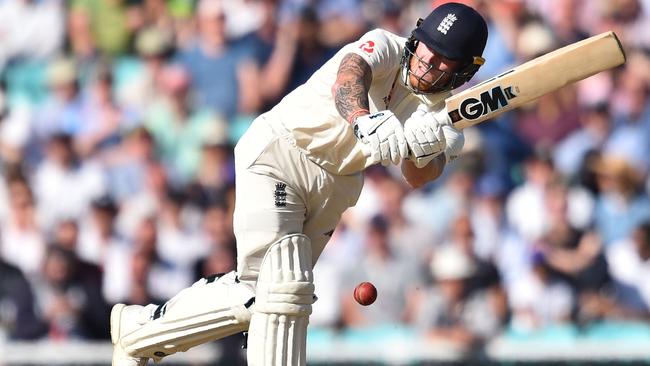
x=490 y=101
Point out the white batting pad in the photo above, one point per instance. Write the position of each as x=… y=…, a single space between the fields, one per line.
x=283 y=299
x=210 y=309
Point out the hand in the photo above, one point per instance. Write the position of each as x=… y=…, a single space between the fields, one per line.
x=455 y=142
x=384 y=134
x=424 y=135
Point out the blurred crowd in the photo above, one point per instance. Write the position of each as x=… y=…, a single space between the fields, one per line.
x=117 y=125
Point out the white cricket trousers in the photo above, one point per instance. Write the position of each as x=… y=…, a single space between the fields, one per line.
x=279 y=191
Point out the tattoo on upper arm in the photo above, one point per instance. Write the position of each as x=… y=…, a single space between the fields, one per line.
x=352 y=84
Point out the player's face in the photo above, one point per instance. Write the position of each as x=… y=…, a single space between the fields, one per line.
x=430 y=70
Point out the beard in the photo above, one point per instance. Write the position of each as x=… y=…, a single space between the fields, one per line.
x=429 y=81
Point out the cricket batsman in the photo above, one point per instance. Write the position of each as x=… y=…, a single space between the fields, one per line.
x=298 y=167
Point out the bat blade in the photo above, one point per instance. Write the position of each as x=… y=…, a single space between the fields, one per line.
x=535 y=78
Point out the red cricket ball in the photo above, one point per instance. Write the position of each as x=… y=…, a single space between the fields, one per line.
x=365 y=293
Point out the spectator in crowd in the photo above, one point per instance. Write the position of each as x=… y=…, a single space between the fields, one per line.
x=142 y=262
x=292 y=56
x=148 y=196
x=529 y=311
x=63 y=111
x=311 y=50
x=178 y=246
x=101 y=244
x=22 y=242
x=461 y=236
x=18 y=319
x=630 y=139
x=487 y=216
x=138 y=80
x=570 y=153
x=572 y=253
x=621 y=204
x=179 y=130
x=629 y=263
x=15 y=128
x=104 y=118
x=216 y=171
x=453 y=313
x=72 y=306
x=126 y=164
x=222 y=78
x=145 y=235
x=111 y=23
x=66 y=236
x=525 y=204
x=82 y=44
x=30 y=29
x=65 y=184
x=273 y=47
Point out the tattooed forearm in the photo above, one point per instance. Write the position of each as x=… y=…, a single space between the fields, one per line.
x=352 y=84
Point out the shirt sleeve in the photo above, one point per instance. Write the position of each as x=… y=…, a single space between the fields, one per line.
x=380 y=50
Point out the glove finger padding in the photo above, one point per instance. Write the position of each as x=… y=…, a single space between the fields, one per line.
x=455 y=140
x=402 y=146
x=441 y=142
x=415 y=148
x=430 y=135
x=424 y=142
x=384 y=149
x=395 y=157
x=375 y=150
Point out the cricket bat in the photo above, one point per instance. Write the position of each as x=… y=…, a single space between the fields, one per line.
x=535 y=78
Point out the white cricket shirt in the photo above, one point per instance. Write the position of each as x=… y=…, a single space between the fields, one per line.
x=310 y=115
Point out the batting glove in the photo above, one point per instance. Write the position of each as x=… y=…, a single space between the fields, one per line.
x=455 y=142
x=424 y=132
x=384 y=135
